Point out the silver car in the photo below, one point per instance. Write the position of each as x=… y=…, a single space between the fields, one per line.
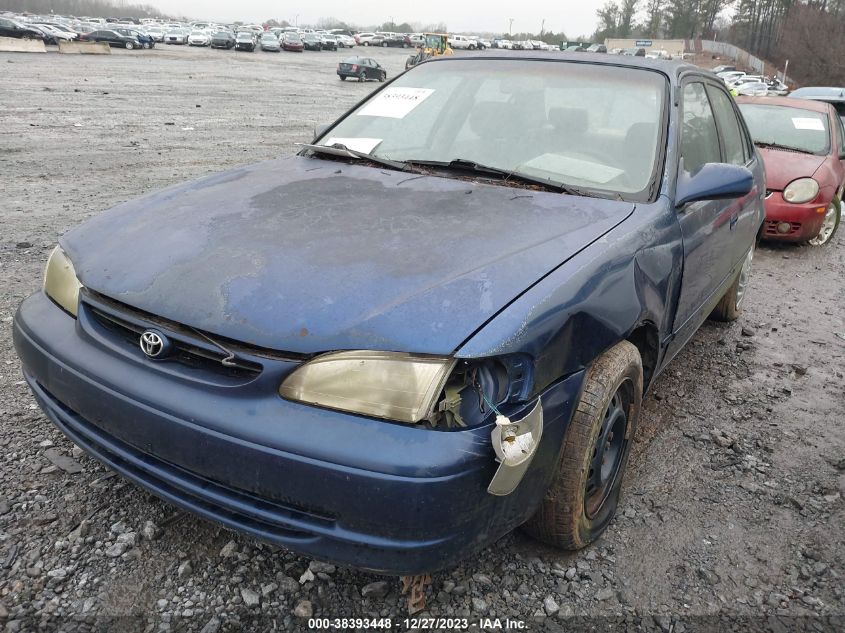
x=269 y=42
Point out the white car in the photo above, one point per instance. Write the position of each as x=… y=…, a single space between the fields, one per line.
x=364 y=39
x=344 y=41
x=176 y=36
x=462 y=42
x=56 y=33
x=753 y=89
x=199 y=38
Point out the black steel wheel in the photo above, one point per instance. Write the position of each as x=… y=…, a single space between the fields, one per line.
x=584 y=494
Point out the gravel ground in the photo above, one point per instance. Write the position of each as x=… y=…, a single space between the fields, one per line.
x=732 y=515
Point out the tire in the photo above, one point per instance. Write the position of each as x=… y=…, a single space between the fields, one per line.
x=342 y=77
x=362 y=77
x=730 y=305
x=832 y=218
x=574 y=512
x=129 y=46
x=384 y=44
x=366 y=43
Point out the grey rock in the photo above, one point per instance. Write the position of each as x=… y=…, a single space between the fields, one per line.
x=269 y=588
x=483 y=580
x=118 y=528
x=4 y=506
x=185 y=569
x=287 y=585
x=212 y=626
x=127 y=537
x=550 y=606
x=319 y=567
x=376 y=589
x=775 y=599
x=571 y=573
x=250 y=598
x=708 y=576
x=604 y=594
x=303 y=609
x=161 y=604
x=229 y=549
x=479 y=605
x=307 y=576
x=150 y=531
x=664 y=622
x=116 y=550
x=748 y=331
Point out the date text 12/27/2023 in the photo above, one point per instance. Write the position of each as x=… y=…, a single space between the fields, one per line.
x=416 y=624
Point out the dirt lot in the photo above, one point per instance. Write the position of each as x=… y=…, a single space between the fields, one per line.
x=733 y=513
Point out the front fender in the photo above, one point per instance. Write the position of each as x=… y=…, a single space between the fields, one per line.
x=568 y=318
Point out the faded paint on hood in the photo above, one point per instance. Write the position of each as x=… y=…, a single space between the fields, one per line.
x=308 y=255
x=783 y=166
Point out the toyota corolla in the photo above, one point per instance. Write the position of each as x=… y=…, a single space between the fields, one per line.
x=433 y=324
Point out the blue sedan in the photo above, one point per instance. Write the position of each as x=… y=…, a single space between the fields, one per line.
x=433 y=324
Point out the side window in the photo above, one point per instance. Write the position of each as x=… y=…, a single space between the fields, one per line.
x=729 y=128
x=841 y=128
x=699 y=139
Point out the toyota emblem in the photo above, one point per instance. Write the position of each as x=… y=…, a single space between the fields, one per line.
x=154 y=344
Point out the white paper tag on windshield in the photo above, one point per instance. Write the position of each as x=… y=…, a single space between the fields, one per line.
x=396 y=103
x=802 y=123
x=365 y=145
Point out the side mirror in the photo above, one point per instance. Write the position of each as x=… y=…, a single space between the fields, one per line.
x=320 y=130
x=714 y=181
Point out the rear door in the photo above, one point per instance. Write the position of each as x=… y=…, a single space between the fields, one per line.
x=707 y=226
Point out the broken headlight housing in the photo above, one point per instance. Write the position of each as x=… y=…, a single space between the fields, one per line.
x=60 y=282
x=390 y=385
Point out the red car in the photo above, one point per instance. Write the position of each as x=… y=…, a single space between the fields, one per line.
x=292 y=42
x=803 y=148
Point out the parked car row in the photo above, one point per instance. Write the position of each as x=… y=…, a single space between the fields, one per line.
x=748 y=85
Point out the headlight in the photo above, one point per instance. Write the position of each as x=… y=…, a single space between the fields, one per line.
x=801 y=190
x=60 y=282
x=391 y=385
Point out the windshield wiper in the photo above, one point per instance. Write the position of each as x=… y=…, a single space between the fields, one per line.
x=780 y=146
x=338 y=149
x=462 y=164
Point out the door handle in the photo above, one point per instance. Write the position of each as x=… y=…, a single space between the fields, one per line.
x=734 y=219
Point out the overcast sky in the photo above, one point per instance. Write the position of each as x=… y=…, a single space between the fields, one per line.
x=573 y=18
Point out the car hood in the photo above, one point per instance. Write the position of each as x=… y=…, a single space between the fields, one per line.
x=308 y=255
x=784 y=166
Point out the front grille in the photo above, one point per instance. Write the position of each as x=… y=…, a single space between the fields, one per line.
x=191 y=349
x=772 y=228
x=186 y=354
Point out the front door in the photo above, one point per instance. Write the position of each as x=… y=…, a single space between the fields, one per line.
x=708 y=226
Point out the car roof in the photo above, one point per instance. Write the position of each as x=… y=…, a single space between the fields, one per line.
x=826 y=93
x=801 y=104
x=671 y=68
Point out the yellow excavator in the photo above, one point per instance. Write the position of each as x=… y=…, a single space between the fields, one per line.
x=434 y=45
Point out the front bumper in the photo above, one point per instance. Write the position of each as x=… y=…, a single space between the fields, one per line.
x=804 y=220
x=374 y=495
